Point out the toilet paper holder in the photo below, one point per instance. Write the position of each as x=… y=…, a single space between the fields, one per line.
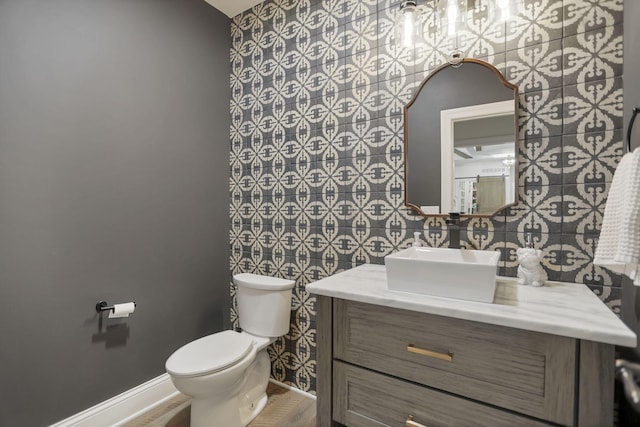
x=103 y=306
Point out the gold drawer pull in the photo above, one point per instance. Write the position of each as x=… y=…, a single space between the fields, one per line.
x=411 y=423
x=436 y=355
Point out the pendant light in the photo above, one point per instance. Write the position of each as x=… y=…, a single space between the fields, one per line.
x=407 y=24
x=452 y=18
x=505 y=10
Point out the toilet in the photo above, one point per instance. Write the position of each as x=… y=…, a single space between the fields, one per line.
x=226 y=374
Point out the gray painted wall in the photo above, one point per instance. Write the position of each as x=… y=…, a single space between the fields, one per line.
x=630 y=296
x=630 y=300
x=114 y=150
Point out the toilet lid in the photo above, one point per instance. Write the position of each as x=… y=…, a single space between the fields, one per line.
x=209 y=354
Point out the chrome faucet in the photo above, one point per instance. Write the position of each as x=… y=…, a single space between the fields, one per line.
x=453 y=226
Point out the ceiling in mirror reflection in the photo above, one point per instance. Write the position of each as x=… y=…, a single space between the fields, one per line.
x=487 y=138
x=495 y=129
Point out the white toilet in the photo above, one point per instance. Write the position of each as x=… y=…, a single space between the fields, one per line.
x=226 y=374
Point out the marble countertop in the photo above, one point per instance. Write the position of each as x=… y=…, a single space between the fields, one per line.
x=565 y=309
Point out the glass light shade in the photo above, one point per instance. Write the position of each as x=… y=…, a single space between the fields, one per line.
x=407 y=24
x=505 y=10
x=452 y=17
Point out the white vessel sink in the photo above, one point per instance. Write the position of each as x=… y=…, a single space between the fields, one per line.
x=454 y=273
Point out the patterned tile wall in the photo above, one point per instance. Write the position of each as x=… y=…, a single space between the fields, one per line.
x=318 y=88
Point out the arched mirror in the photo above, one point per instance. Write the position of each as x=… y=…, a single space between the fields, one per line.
x=461 y=136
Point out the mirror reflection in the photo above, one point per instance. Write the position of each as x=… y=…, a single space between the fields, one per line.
x=460 y=142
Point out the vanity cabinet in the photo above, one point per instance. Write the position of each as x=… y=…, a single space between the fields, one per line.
x=387 y=366
x=362 y=397
x=533 y=357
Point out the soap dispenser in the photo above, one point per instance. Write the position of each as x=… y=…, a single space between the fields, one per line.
x=530 y=271
x=416 y=240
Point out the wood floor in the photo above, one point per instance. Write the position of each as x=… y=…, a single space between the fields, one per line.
x=285 y=408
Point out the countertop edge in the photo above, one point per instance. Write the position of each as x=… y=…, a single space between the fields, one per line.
x=625 y=338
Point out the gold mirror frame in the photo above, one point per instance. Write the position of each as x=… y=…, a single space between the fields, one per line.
x=508 y=85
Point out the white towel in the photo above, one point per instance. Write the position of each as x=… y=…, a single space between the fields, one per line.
x=619 y=244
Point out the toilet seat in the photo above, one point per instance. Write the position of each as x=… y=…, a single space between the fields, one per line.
x=209 y=354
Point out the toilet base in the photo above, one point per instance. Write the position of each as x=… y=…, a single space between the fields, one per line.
x=248 y=413
x=253 y=397
x=215 y=413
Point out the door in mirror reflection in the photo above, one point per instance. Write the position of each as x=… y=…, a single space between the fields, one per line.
x=478 y=158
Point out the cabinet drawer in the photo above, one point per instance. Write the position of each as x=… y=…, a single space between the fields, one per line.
x=527 y=372
x=366 y=398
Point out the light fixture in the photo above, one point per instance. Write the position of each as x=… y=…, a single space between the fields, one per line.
x=509 y=161
x=407 y=24
x=452 y=18
x=505 y=10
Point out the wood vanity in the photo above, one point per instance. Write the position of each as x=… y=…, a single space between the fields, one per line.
x=537 y=356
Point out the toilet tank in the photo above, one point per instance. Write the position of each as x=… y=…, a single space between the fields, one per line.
x=264 y=304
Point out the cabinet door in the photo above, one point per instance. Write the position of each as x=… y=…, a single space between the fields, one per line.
x=527 y=372
x=365 y=398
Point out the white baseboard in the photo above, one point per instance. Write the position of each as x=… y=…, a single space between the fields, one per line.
x=134 y=402
x=293 y=389
x=124 y=407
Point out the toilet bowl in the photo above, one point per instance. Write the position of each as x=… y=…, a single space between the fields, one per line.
x=226 y=373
